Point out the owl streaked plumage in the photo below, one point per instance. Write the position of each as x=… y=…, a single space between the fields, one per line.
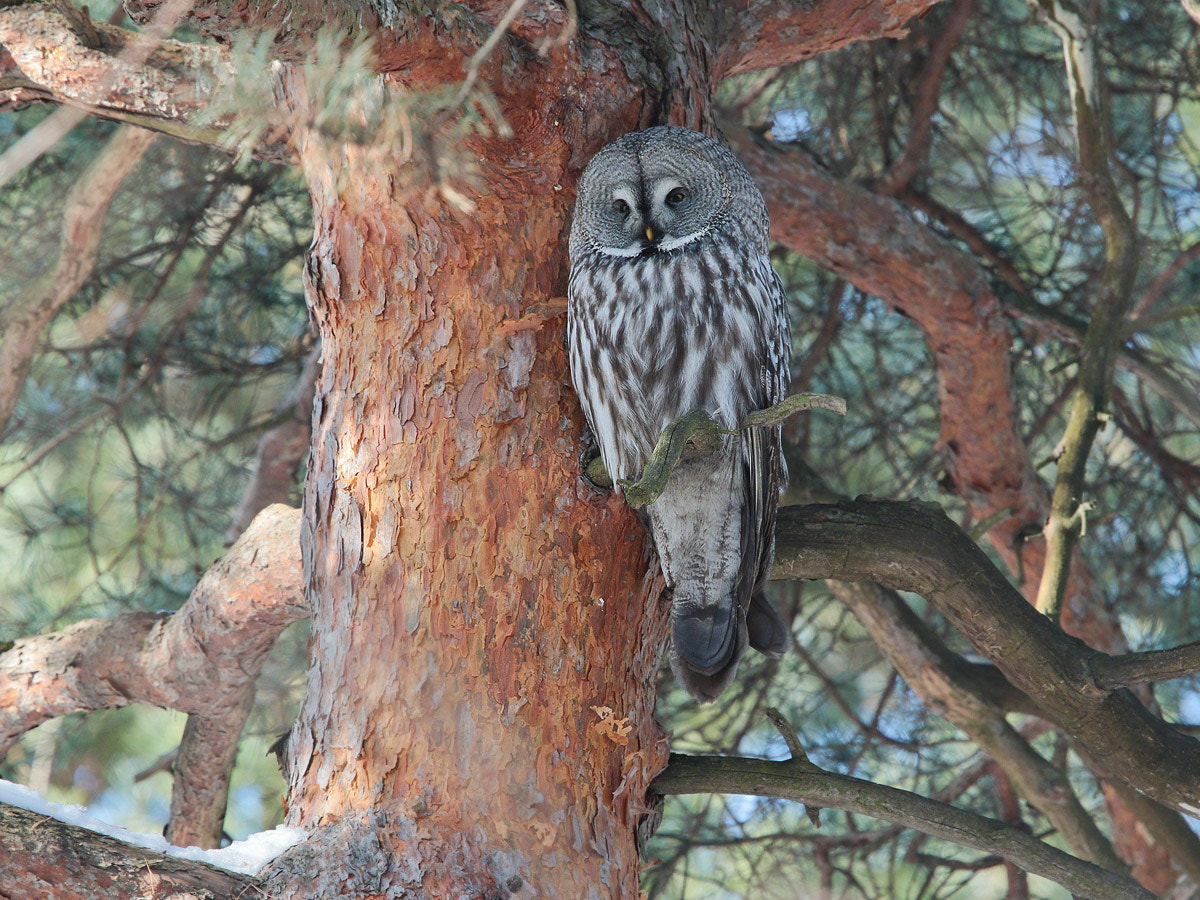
x=673 y=306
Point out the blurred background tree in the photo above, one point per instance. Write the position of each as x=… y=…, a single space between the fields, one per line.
x=133 y=442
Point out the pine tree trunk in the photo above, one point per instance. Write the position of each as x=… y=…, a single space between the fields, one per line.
x=486 y=628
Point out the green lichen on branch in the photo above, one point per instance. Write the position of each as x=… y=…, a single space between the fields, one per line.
x=789 y=406
x=1114 y=296
x=695 y=428
x=696 y=434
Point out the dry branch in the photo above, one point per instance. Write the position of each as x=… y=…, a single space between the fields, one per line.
x=199 y=660
x=805 y=783
x=23 y=318
x=915 y=547
x=1113 y=300
x=45 y=859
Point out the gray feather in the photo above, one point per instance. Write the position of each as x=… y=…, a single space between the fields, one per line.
x=695 y=318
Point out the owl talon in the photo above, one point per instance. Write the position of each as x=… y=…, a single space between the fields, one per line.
x=596 y=476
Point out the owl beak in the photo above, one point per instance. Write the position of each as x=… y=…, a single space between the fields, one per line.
x=650 y=234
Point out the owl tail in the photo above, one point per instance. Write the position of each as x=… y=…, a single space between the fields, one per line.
x=707 y=643
x=770 y=635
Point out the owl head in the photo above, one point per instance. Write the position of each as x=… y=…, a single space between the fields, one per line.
x=662 y=189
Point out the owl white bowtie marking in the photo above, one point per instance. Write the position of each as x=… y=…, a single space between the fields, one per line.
x=674 y=306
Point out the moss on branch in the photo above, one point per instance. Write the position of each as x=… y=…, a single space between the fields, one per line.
x=695 y=434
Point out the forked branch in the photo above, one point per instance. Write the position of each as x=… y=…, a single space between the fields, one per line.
x=803 y=782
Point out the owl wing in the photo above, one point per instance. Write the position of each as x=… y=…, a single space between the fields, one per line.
x=762 y=462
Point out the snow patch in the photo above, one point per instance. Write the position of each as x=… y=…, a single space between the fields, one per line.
x=246 y=857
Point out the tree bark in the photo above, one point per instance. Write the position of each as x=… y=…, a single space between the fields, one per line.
x=485 y=629
x=44 y=859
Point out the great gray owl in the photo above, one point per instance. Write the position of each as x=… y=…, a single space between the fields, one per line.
x=673 y=306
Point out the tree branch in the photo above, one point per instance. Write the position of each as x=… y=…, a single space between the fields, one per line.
x=208 y=748
x=1112 y=672
x=24 y=317
x=1020 y=304
x=763 y=34
x=1107 y=322
x=974 y=697
x=161 y=85
x=281 y=450
x=915 y=547
x=201 y=772
x=920 y=133
x=872 y=243
x=203 y=659
x=45 y=858
x=810 y=785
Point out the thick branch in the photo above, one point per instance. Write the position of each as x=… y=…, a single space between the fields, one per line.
x=810 y=785
x=45 y=859
x=763 y=34
x=24 y=317
x=199 y=660
x=915 y=547
x=872 y=243
x=201 y=772
x=43 y=59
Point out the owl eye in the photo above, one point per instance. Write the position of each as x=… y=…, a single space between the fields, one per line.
x=676 y=197
x=621 y=207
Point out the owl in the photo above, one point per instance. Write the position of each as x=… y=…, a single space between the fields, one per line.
x=673 y=306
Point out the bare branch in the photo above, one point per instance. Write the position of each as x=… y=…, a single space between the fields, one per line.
x=975 y=697
x=768 y=33
x=199 y=660
x=45 y=859
x=134 y=78
x=810 y=785
x=915 y=547
x=1112 y=672
x=24 y=317
x=1107 y=323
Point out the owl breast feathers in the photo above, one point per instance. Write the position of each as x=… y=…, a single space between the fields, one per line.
x=674 y=306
